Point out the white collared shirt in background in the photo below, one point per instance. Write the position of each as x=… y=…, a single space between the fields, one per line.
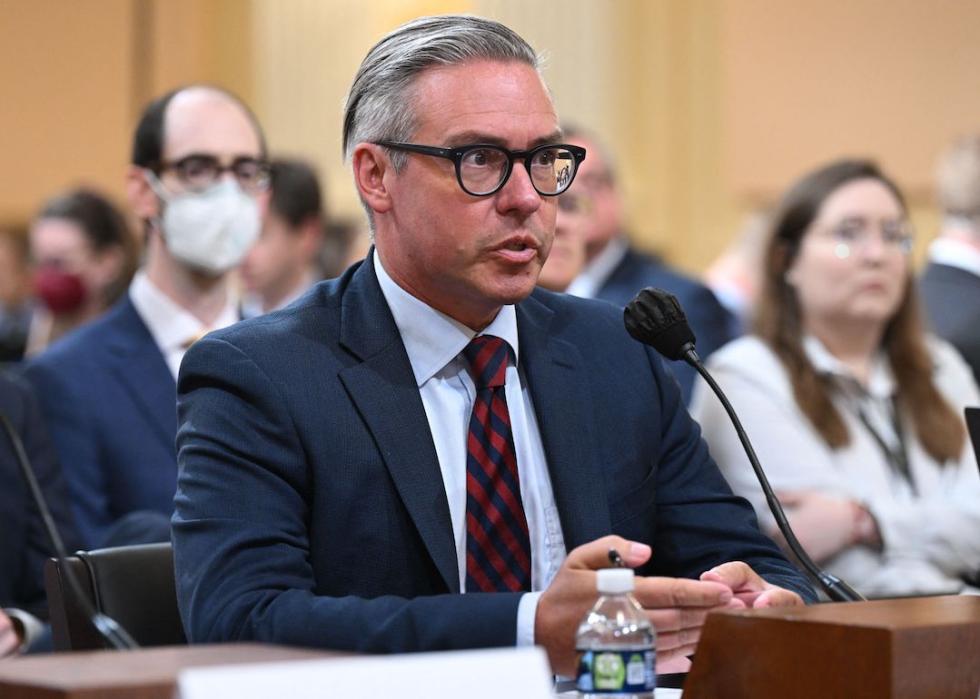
x=587 y=284
x=433 y=342
x=173 y=328
x=955 y=253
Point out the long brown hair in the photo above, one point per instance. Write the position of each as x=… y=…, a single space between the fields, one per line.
x=779 y=323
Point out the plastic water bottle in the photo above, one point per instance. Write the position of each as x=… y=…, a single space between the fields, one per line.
x=616 y=643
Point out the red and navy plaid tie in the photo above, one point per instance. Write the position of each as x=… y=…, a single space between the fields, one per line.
x=498 y=549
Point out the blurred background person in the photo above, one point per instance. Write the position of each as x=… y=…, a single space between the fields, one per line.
x=284 y=262
x=345 y=241
x=83 y=256
x=16 y=299
x=567 y=256
x=734 y=276
x=950 y=283
x=197 y=182
x=24 y=543
x=854 y=411
x=615 y=271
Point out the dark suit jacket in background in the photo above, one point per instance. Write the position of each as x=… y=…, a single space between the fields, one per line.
x=110 y=404
x=24 y=544
x=311 y=509
x=952 y=301
x=713 y=325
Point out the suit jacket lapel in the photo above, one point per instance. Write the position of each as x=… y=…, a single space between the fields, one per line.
x=383 y=388
x=137 y=363
x=556 y=375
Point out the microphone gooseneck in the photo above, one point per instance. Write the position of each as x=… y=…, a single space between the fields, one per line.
x=655 y=318
x=107 y=627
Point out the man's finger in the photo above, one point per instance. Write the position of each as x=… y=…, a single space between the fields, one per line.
x=673 y=620
x=595 y=554
x=777 y=597
x=654 y=593
x=9 y=642
x=678 y=639
x=674 y=660
x=736 y=575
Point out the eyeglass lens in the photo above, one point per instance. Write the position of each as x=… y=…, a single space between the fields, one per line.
x=857 y=234
x=484 y=169
x=202 y=171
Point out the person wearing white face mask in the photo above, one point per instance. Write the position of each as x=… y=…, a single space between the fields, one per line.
x=198 y=182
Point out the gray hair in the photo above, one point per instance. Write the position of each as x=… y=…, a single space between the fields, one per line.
x=378 y=106
x=958 y=180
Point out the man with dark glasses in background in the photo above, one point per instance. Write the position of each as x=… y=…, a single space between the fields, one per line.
x=197 y=183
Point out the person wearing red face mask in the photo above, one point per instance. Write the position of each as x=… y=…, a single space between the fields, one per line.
x=84 y=256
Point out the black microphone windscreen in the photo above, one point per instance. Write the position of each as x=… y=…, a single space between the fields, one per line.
x=655 y=318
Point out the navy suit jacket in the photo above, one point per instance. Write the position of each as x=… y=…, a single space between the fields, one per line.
x=712 y=324
x=310 y=505
x=24 y=544
x=952 y=300
x=109 y=400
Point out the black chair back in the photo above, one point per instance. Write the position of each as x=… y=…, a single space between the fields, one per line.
x=132 y=584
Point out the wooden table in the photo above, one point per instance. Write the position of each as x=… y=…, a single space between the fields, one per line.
x=149 y=673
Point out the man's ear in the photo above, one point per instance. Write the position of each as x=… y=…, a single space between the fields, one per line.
x=142 y=199
x=372 y=173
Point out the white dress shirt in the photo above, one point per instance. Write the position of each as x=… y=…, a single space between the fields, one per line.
x=955 y=253
x=587 y=284
x=173 y=328
x=929 y=534
x=433 y=342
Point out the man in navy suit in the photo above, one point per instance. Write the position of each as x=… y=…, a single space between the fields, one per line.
x=197 y=181
x=24 y=543
x=335 y=456
x=615 y=271
x=950 y=283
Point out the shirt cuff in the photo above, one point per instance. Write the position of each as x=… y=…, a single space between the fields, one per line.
x=31 y=627
x=527 y=610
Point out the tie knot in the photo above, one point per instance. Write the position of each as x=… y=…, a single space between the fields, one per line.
x=487 y=356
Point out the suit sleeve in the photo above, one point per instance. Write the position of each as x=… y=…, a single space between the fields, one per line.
x=241 y=539
x=69 y=419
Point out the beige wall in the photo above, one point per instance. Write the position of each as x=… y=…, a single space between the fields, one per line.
x=74 y=75
x=710 y=105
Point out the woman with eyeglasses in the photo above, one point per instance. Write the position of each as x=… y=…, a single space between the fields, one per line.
x=856 y=413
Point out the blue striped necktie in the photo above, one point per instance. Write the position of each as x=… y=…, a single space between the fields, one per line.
x=498 y=549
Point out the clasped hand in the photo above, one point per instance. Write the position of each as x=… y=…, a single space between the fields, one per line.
x=677 y=607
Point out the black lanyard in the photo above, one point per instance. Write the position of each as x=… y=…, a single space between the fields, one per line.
x=897 y=457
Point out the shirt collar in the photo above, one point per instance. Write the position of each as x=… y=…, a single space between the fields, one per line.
x=170 y=324
x=955 y=253
x=431 y=338
x=596 y=272
x=881 y=382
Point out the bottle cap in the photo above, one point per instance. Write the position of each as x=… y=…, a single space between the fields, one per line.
x=614 y=581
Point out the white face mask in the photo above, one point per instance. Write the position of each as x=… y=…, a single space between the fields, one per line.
x=212 y=230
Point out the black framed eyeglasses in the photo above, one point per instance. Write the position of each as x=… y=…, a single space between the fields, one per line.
x=200 y=171
x=483 y=169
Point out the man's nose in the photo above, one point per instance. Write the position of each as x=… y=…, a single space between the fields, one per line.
x=518 y=193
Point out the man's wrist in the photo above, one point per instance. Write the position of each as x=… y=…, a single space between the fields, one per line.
x=527 y=612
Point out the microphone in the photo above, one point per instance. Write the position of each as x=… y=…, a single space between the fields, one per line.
x=655 y=318
x=107 y=627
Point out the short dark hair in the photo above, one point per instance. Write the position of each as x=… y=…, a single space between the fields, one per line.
x=149 y=137
x=100 y=221
x=103 y=226
x=296 y=195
